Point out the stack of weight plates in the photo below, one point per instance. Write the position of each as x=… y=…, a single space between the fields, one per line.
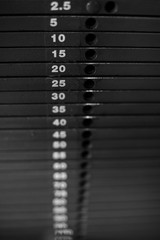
x=79 y=119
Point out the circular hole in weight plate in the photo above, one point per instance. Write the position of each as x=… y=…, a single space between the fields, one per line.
x=90 y=54
x=88 y=96
x=86 y=134
x=85 y=154
x=87 y=122
x=84 y=174
x=91 y=23
x=84 y=165
x=86 y=144
x=91 y=39
x=90 y=69
x=87 y=109
x=93 y=6
x=89 y=84
x=83 y=183
x=111 y=7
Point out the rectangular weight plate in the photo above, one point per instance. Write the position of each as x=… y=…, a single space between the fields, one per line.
x=110 y=96
x=63 y=55
x=79 y=23
x=73 y=154
x=80 y=110
x=72 y=39
x=14 y=7
x=45 y=145
x=76 y=134
x=82 y=69
x=79 y=83
x=72 y=122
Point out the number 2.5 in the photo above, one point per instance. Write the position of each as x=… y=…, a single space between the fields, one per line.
x=55 y=6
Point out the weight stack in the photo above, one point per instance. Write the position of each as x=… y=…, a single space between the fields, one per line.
x=79 y=120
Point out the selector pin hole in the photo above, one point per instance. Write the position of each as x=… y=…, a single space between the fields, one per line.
x=84 y=165
x=93 y=6
x=84 y=175
x=86 y=134
x=111 y=7
x=86 y=144
x=91 y=23
x=90 y=54
x=90 y=69
x=89 y=84
x=91 y=39
x=87 y=122
x=82 y=191
x=83 y=183
x=88 y=96
x=86 y=154
x=81 y=199
x=87 y=109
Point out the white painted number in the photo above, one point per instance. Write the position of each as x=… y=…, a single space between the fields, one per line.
x=60 y=122
x=53 y=22
x=58 y=96
x=58 y=83
x=57 y=145
x=58 y=109
x=54 y=6
x=60 y=38
x=56 y=68
x=59 y=134
x=59 y=53
x=66 y=6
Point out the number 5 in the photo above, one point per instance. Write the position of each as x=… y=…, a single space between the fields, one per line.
x=67 y=5
x=53 y=22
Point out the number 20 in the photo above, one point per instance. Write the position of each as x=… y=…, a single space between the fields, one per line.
x=56 y=69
